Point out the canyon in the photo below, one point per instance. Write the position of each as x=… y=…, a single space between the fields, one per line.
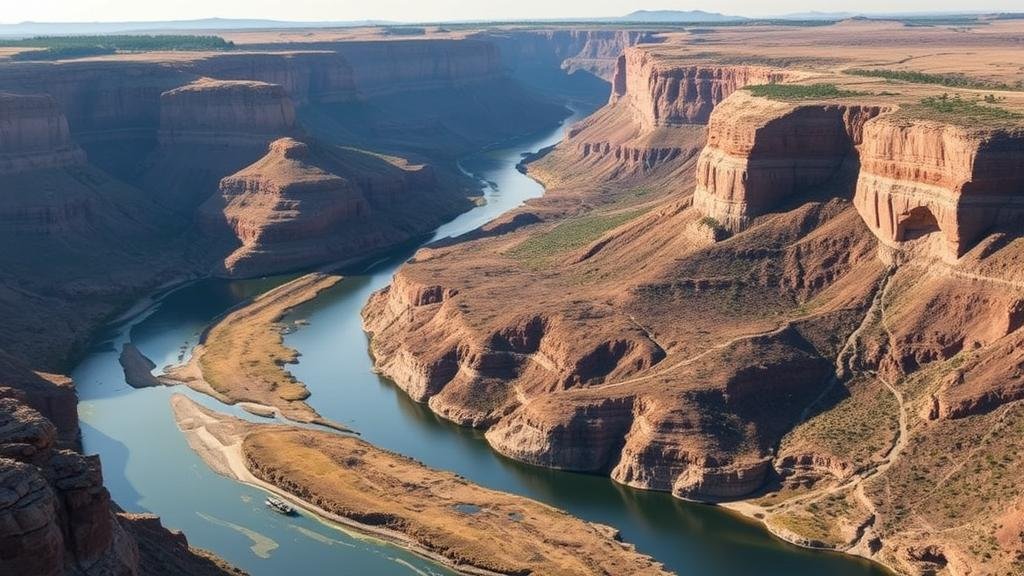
x=755 y=278
x=97 y=198
x=396 y=498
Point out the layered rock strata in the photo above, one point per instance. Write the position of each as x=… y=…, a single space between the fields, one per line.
x=308 y=203
x=225 y=112
x=34 y=134
x=593 y=50
x=654 y=122
x=666 y=92
x=922 y=177
x=760 y=152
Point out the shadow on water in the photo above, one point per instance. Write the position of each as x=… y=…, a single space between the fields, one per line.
x=115 y=466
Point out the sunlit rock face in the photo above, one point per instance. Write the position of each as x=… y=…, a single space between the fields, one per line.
x=920 y=177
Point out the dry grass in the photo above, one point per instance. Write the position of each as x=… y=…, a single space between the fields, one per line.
x=573 y=234
x=439 y=511
x=856 y=430
x=243 y=356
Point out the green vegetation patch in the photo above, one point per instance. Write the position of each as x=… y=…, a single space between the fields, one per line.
x=953 y=80
x=789 y=92
x=569 y=235
x=59 y=47
x=961 y=111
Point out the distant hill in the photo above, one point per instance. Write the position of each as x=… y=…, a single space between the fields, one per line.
x=677 y=16
x=53 y=28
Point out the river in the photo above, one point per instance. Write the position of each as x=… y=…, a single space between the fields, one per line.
x=149 y=467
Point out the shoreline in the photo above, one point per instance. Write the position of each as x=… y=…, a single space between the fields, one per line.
x=218 y=440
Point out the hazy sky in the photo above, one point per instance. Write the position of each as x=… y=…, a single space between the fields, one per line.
x=432 y=10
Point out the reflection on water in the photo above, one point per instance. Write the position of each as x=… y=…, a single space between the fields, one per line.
x=148 y=466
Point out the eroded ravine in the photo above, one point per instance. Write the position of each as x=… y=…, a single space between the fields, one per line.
x=336 y=368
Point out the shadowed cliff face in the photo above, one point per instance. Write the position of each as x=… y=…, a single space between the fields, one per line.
x=34 y=134
x=108 y=164
x=532 y=54
x=306 y=204
x=55 y=515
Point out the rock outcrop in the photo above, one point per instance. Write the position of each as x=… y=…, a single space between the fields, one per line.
x=760 y=152
x=307 y=77
x=593 y=50
x=56 y=515
x=225 y=112
x=920 y=177
x=34 y=134
x=309 y=203
x=654 y=123
x=667 y=92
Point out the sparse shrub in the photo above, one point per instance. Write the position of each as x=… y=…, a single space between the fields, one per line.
x=953 y=80
x=800 y=91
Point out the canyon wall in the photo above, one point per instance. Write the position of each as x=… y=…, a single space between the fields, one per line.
x=307 y=77
x=666 y=91
x=224 y=112
x=920 y=177
x=910 y=178
x=119 y=99
x=654 y=122
x=760 y=152
x=34 y=134
x=592 y=50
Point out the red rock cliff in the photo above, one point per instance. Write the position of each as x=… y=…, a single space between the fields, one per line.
x=654 y=121
x=760 y=151
x=303 y=204
x=920 y=177
x=664 y=91
x=34 y=134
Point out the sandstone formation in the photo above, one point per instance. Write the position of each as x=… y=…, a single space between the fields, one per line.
x=224 y=112
x=304 y=204
x=670 y=93
x=437 y=514
x=94 y=231
x=56 y=518
x=34 y=134
x=918 y=177
x=653 y=125
x=760 y=152
x=826 y=329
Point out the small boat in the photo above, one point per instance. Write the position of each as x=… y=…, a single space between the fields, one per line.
x=279 y=506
